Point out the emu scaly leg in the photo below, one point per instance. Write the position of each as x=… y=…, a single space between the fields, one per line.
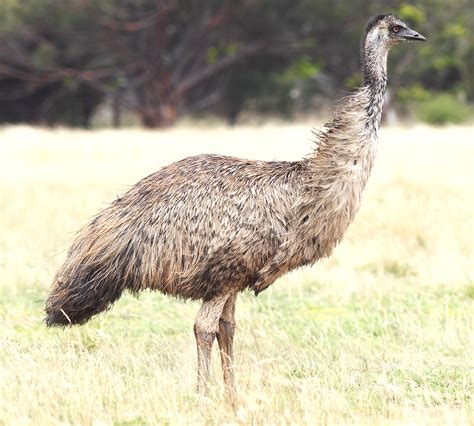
x=206 y=326
x=225 y=338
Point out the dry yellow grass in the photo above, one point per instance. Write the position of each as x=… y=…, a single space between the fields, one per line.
x=380 y=333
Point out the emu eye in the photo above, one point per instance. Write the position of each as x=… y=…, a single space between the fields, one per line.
x=396 y=29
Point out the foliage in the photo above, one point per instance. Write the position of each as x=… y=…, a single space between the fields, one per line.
x=442 y=109
x=165 y=59
x=43 y=47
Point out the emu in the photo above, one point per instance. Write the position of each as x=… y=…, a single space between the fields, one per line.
x=209 y=227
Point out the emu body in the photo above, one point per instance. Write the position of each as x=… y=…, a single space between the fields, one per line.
x=210 y=226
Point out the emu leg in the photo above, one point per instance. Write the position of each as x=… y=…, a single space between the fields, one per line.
x=205 y=330
x=225 y=338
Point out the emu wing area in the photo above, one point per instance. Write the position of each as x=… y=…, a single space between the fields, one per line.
x=203 y=225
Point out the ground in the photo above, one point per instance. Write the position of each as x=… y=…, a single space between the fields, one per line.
x=380 y=333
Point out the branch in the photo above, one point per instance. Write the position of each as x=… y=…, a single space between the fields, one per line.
x=127 y=27
x=220 y=18
x=203 y=103
x=211 y=69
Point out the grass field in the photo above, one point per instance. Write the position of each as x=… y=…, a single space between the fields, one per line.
x=380 y=333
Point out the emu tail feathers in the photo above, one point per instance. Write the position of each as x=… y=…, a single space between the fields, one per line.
x=76 y=300
x=96 y=272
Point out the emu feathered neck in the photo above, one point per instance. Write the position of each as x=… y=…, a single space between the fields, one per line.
x=360 y=112
x=342 y=161
x=346 y=147
x=374 y=54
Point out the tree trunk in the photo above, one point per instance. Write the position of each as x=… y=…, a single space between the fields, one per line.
x=116 y=110
x=164 y=115
x=158 y=101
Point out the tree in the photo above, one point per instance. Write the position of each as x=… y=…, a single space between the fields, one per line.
x=176 y=55
x=47 y=69
x=166 y=58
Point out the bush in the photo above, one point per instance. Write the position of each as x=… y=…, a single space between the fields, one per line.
x=443 y=109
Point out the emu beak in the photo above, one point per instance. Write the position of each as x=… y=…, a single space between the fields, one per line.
x=409 y=34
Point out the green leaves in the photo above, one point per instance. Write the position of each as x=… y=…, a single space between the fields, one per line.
x=214 y=53
x=44 y=55
x=302 y=69
x=444 y=109
x=412 y=14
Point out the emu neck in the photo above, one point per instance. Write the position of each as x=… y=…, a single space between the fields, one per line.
x=374 y=61
x=374 y=67
x=342 y=161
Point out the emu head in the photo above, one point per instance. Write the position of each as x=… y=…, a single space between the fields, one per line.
x=386 y=31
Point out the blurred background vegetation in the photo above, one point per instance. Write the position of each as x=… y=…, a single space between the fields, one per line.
x=68 y=62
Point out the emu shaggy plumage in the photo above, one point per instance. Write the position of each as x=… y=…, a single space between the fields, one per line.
x=210 y=226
